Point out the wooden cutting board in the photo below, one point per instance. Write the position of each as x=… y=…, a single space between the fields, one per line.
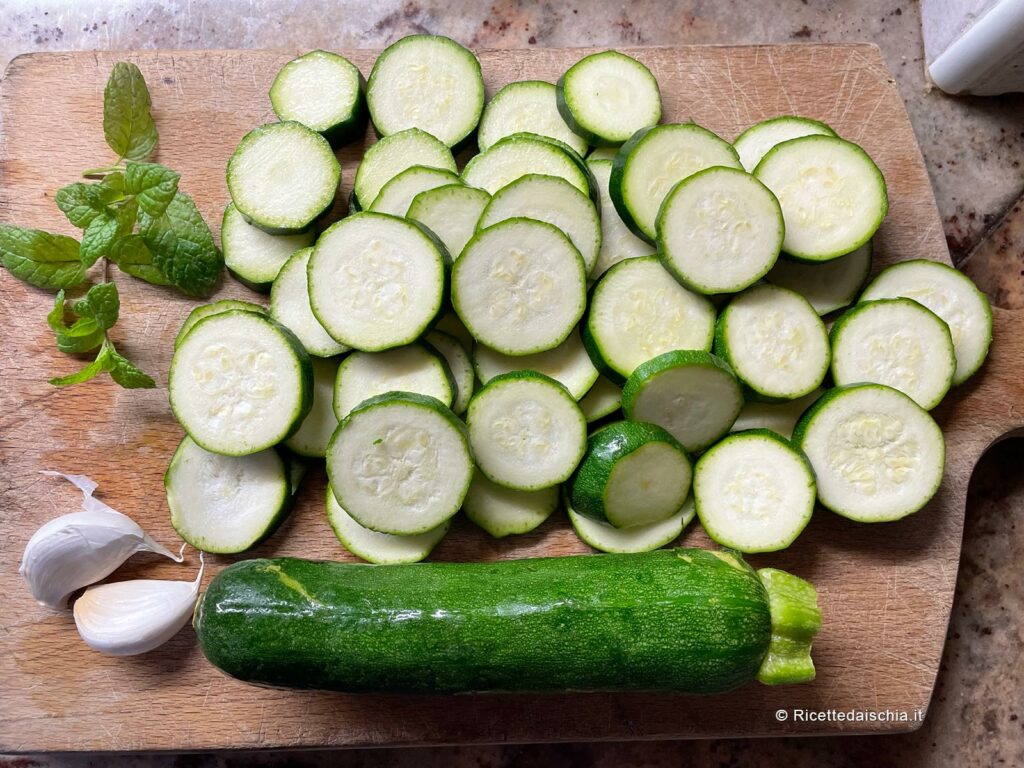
x=885 y=590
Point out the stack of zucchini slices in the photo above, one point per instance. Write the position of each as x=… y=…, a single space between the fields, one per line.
x=596 y=311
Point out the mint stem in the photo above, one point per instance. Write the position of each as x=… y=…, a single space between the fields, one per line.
x=101 y=171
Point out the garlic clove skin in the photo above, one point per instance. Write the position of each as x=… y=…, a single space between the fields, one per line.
x=81 y=548
x=131 y=617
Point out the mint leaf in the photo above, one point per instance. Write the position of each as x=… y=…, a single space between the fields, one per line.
x=84 y=336
x=43 y=259
x=124 y=372
x=101 y=304
x=153 y=185
x=100 y=236
x=133 y=257
x=182 y=246
x=83 y=203
x=127 y=122
x=113 y=185
x=90 y=371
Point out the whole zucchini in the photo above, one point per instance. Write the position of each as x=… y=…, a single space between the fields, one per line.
x=687 y=620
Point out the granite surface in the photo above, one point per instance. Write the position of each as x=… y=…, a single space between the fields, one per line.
x=974 y=150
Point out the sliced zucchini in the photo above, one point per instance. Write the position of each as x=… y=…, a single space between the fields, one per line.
x=527 y=105
x=877 y=454
x=754 y=491
x=226 y=504
x=952 y=296
x=633 y=473
x=519 y=155
x=394 y=154
x=400 y=463
x=239 y=383
x=550 y=199
x=526 y=430
x=310 y=440
x=397 y=195
x=380 y=548
x=289 y=305
x=638 y=538
x=282 y=176
x=427 y=82
x=602 y=399
x=214 y=308
x=754 y=143
x=592 y=191
x=568 y=364
x=376 y=281
x=833 y=196
x=254 y=256
x=827 y=285
x=719 y=231
x=774 y=341
x=896 y=342
x=780 y=417
x=520 y=287
x=607 y=97
x=449 y=323
x=451 y=212
x=505 y=512
x=692 y=394
x=413 y=368
x=653 y=161
x=460 y=367
x=618 y=242
x=324 y=92
x=638 y=311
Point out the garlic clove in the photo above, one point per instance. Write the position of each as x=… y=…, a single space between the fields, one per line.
x=81 y=548
x=131 y=617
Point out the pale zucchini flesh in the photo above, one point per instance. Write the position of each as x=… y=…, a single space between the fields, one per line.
x=254 y=256
x=780 y=417
x=527 y=105
x=517 y=156
x=289 y=305
x=460 y=367
x=451 y=212
x=754 y=143
x=412 y=368
x=214 y=308
x=568 y=364
x=394 y=154
x=397 y=195
x=618 y=242
x=324 y=92
x=602 y=399
x=506 y=512
x=380 y=548
x=827 y=285
x=639 y=538
x=311 y=438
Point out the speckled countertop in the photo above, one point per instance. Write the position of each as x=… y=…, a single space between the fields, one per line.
x=974 y=150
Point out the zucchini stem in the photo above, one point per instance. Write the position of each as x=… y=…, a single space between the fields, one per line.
x=796 y=620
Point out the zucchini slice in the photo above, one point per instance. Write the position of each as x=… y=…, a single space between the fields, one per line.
x=754 y=491
x=289 y=305
x=568 y=364
x=602 y=399
x=505 y=512
x=754 y=143
x=449 y=323
x=460 y=368
x=526 y=430
x=397 y=195
x=427 y=82
x=226 y=504
x=692 y=394
x=952 y=296
x=833 y=196
x=877 y=455
x=520 y=155
x=555 y=201
x=400 y=463
x=774 y=341
x=653 y=161
x=527 y=105
x=719 y=231
x=780 y=417
x=376 y=281
x=639 y=311
x=214 y=308
x=638 y=538
x=520 y=287
x=896 y=342
x=282 y=176
x=827 y=285
x=413 y=368
x=633 y=473
x=324 y=92
x=607 y=97
x=451 y=212
x=618 y=242
x=380 y=548
x=254 y=256
x=310 y=440
x=394 y=154
x=239 y=383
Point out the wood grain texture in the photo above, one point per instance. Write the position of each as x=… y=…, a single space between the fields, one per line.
x=885 y=590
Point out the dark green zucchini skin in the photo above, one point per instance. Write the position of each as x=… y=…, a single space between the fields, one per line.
x=686 y=620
